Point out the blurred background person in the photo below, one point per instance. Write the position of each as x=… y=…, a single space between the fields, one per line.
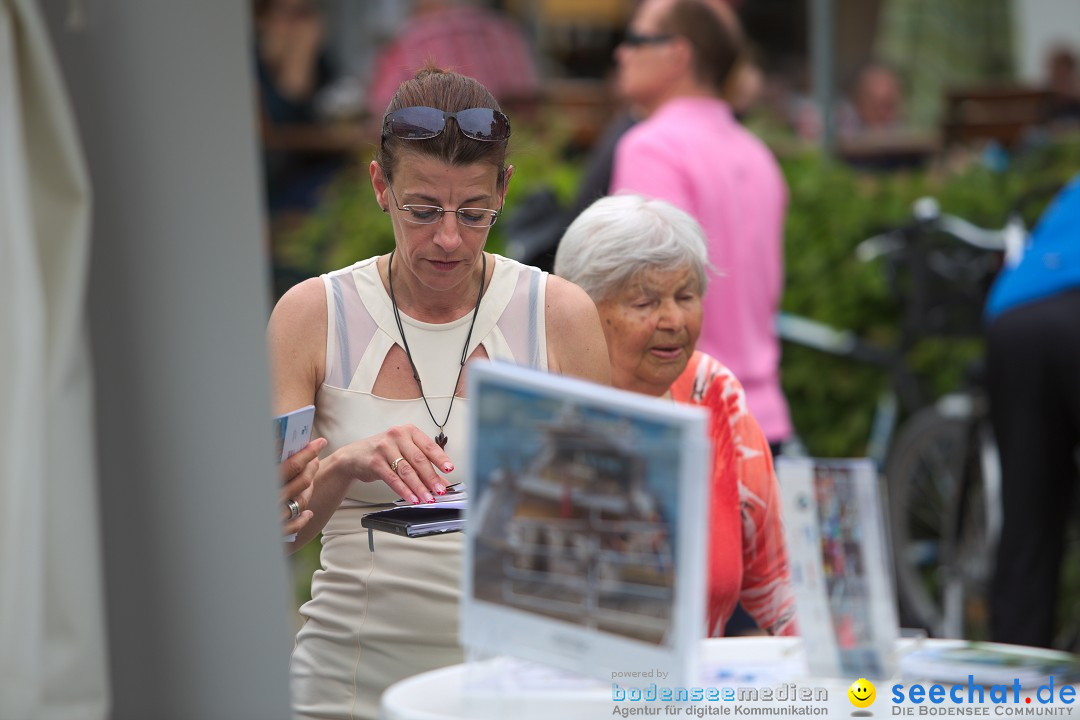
x=875 y=103
x=1033 y=352
x=1063 y=81
x=872 y=128
x=457 y=34
x=872 y=108
x=674 y=64
x=745 y=88
x=742 y=91
x=293 y=67
x=650 y=303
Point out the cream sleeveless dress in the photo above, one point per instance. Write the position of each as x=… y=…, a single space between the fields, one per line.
x=379 y=615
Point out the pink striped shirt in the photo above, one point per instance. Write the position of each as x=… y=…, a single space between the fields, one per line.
x=468 y=40
x=694 y=154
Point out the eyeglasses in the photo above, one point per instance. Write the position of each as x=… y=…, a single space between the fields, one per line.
x=422 y=123
x=431 y=214
x=633 y=39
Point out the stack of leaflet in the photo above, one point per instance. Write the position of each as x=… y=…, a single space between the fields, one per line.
x=454 y=497
x=991 y=664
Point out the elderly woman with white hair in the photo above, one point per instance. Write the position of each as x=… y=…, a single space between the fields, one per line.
x=644 y=263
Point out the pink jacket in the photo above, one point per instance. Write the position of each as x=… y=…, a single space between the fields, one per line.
x=694 y=154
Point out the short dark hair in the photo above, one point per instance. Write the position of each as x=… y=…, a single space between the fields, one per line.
x=717 y=46
x=451 y=92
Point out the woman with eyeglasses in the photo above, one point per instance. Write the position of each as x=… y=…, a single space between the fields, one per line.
x=379 y=348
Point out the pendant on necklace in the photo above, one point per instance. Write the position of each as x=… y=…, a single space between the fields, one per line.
x=441 y=439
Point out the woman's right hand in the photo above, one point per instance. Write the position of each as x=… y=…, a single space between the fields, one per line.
x=297 y=473
x=416 y=454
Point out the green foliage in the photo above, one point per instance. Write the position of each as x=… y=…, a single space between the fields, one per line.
x=347 y=226
x=832 y=399
x=832 y=209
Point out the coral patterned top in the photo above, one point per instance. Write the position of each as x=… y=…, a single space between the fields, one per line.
x=747 y=556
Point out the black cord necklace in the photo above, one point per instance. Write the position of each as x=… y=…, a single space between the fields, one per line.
x=441 y=438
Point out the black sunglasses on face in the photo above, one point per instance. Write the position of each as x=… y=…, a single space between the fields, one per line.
x=633 y=39
x=422 y=123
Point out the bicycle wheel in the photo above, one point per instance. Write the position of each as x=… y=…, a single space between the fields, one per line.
x=937 y=513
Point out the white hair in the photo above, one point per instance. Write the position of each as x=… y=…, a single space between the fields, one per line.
x=621 y=236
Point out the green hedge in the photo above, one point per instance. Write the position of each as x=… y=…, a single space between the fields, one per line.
x=832 y=209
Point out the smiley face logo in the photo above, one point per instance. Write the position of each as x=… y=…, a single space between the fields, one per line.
x=862 y=693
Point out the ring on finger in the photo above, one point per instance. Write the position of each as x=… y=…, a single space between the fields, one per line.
x=294 y=509
x=394 y=465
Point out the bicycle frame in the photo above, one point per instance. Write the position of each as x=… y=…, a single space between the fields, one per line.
x=904 y=388
x=915 y=252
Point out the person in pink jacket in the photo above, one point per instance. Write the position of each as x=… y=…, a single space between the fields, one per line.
x=690 y=150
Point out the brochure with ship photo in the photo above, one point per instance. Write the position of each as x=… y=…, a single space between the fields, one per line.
x=585 y=522
x=840 y=567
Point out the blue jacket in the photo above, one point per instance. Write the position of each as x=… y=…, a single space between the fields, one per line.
x=1051 y=262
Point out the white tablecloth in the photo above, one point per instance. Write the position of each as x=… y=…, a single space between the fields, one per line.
x=508 y=689
x=503 y=688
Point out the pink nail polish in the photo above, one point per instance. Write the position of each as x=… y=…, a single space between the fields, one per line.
x=415 y=500
x=439 y=488
x=430 y=499
x=448 y=467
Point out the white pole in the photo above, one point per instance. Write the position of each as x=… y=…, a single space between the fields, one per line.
x=196 y=584
x=822 y=50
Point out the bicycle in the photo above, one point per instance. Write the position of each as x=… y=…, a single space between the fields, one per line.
x=940 y=464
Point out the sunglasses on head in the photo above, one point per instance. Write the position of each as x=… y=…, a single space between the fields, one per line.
x=633 y=39
x=422 y=123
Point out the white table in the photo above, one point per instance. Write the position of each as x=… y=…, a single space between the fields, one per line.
x=507 y=689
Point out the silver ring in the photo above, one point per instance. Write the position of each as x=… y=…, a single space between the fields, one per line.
x=393 y=465
x=294 y=509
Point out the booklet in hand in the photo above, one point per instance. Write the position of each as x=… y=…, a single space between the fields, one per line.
x=292 y=431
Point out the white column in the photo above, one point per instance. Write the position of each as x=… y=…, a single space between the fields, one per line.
x=196 y=584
